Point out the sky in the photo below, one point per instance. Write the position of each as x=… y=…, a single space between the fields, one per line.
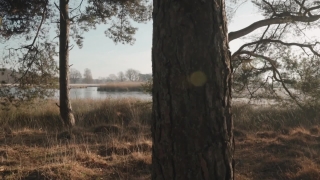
x=103 y=57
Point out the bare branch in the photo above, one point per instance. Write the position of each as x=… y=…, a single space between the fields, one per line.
x=266 y=22
x=276 y=72
x=77 y=7
x=312 y=8
x=309 y=46
x=271 y=7
x=303 y=7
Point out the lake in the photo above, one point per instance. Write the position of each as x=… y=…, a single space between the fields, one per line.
x=92 y=93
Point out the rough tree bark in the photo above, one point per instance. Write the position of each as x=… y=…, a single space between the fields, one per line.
x=191 y=117
x=65 y=105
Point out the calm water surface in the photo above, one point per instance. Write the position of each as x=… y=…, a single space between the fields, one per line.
x=92 y=93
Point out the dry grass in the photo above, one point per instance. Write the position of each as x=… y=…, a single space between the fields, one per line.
x=270 y=155
x=112 y=140
x=277 y=143
x=121 y=87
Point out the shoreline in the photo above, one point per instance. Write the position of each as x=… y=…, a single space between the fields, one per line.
x=122 y=87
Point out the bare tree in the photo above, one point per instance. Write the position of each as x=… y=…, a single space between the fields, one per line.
x=132 y=75
x=87 y=76
x=75 y=75
x=191 y=119
x=121 y=76
x=145 y=77
x=102 y=80
x=112 y=77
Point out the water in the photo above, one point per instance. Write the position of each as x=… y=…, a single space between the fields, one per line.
x=92 y=93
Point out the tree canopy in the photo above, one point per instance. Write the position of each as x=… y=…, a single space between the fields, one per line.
x=277 y=47
x=34 y=20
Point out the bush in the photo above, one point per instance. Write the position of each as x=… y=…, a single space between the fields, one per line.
x=147 y=87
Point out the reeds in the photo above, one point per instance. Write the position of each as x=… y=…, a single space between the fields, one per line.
x=122 y=87
x=112 y=140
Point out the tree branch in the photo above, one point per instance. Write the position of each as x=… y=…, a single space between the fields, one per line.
x=266 y=22
x=29 y=47
x=309 y=46
x=276 y=72
x=271 y=7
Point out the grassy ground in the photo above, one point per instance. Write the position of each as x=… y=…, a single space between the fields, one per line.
x=122 y=87
x=112 y=140
x=277 y=143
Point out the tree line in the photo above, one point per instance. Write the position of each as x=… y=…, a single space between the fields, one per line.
x=128 y=75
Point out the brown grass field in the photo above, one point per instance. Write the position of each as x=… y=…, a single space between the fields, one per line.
x=112 y=140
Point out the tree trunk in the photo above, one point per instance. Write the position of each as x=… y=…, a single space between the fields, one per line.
x=65 y=105
x=191 y=117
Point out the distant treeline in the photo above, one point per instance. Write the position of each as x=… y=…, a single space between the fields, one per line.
x=130 y=75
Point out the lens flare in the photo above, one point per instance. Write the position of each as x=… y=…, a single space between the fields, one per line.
x=198 y=78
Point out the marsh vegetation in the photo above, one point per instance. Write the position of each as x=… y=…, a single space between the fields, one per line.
x=122 y=87
x=112 y=140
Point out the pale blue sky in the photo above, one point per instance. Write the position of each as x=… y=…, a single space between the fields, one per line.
x=103 y=57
